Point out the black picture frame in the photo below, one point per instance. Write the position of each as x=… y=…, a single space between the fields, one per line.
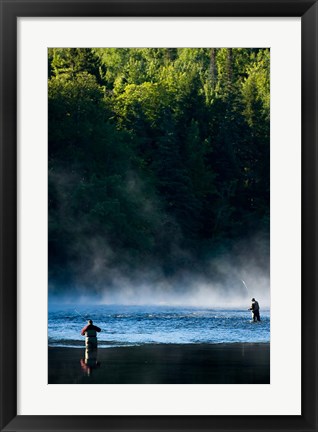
x=10 y=11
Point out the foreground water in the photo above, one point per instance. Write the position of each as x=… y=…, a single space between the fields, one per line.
x=139 y=325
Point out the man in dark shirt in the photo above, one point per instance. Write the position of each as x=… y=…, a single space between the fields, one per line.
x=89 y=331
x=255 y=310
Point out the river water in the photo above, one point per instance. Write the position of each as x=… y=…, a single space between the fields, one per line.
x=139 y=325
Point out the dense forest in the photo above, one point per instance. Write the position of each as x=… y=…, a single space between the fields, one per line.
x=159 y=158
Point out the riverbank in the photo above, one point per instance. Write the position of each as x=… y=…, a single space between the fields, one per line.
x=238 y=363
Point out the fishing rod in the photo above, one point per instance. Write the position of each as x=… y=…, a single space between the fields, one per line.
x=244 y=285
x=80 y=314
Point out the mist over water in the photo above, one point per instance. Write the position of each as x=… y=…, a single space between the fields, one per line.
x=197 y=294
x=226 y=281
x=173 y=272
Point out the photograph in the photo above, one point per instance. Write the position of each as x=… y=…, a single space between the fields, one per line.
x=158 y=202
x=158 y=215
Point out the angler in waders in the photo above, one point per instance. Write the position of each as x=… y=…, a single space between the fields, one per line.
x=255 y=310
x=89 y=331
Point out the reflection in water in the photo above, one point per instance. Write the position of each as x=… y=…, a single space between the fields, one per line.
x=90 y=362
x=162 y=364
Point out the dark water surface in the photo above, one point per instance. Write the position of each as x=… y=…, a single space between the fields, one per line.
x=162 y=364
